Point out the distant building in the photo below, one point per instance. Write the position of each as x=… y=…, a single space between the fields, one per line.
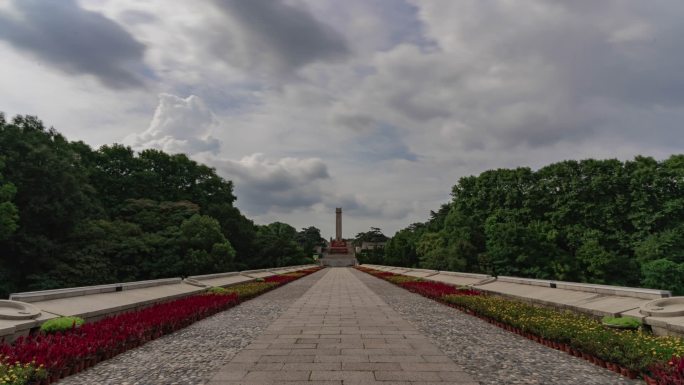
x=370 y=246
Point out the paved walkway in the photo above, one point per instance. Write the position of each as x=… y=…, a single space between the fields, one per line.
x=340 y=332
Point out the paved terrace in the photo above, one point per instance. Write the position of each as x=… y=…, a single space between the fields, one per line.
x=341 y=326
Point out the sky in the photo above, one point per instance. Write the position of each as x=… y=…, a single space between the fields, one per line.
x=375 y=106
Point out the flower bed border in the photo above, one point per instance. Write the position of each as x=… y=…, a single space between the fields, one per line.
x=138 y=334
x=400 y=279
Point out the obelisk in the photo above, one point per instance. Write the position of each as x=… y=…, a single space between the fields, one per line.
x=338 y=224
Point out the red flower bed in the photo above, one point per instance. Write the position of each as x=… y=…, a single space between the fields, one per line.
x=435 y=290
x=670 y=373
x=280 y=279
x=71 y=351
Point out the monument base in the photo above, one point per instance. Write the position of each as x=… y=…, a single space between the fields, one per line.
x=339 y=255
x=339 y=260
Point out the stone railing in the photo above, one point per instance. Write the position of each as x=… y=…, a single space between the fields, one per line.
x=27 y=311
x=597 y=300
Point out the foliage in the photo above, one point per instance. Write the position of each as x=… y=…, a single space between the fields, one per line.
x=599 y=221
x=20 y=374
x=373 y=235
x=61 y=324
x=248 y=290
x=309 y=238
x=663 y=274
x=670 y=372
x=8 y=211
x=626 y=322
x=279 y=246
x=71 y=215
x=635 y=350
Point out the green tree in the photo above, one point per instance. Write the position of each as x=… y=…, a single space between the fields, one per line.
x=203 y=247
x=308 y=238
x=400 y=250
x=664 y=274
x=9 y=216
x=277 y=246
x=374 y=235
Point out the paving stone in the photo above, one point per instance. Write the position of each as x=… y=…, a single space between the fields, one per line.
x=357 y=337
x=491 y=355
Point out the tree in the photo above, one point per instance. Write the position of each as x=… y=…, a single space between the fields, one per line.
x=277 y=246
x=664 y=274
x=9 y=216
x=400 y=250
x=203 y=247
x=71 y=215
x=602 y=221
x=375 y=235
x=308 y=238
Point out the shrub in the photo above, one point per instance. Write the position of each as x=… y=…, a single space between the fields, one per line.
x=623 y=322
x=217 y=290
x=61 y=324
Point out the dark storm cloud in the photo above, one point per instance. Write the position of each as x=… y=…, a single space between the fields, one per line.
x=286 y=36
x=75 y=40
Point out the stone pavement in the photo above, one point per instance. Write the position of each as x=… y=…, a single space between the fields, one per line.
x=340 y=332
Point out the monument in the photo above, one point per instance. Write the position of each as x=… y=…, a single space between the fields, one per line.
x=339 y=245
x=339 y=253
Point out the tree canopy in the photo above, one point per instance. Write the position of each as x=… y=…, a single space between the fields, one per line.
x=600 y=221
x=71 y=215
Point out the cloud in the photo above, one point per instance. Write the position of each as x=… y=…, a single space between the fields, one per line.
x=273 y=36
x=179 y=125
x=281 y=185
x=75 y=40
x=394 y=100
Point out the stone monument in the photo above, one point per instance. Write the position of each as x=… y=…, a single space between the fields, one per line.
x=339 y=253
x=339 y=245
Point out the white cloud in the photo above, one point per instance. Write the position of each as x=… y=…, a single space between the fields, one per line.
x=179 y=125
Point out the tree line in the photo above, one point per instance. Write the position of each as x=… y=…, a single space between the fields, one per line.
x=71 y=215
x=598 y=221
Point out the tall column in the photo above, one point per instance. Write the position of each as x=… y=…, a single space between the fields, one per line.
x=338 y=224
